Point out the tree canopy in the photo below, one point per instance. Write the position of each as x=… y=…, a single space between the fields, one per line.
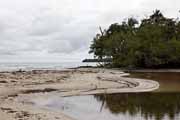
x=153 y=42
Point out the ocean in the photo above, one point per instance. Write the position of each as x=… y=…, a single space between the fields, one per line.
x=40 y=65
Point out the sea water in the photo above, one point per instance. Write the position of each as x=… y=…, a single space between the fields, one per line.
x=12 y=66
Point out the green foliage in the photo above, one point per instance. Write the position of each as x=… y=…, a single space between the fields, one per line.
x=154 y=43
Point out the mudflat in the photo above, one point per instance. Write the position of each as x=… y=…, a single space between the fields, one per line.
x=18 y=89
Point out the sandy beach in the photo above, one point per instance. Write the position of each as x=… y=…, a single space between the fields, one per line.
x=20 y=89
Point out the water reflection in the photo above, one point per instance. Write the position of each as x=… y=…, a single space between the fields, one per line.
x=150 y=105
x=164 y=104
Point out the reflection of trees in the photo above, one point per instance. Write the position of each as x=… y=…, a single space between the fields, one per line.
x=148 y=104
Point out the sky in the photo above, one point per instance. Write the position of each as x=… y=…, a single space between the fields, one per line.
x=62 y=30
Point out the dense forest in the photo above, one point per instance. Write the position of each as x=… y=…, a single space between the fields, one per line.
x=153 y=42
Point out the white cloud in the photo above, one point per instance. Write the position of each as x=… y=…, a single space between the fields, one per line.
x=63 y=29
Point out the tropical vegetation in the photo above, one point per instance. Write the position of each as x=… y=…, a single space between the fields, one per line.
x=153 y=42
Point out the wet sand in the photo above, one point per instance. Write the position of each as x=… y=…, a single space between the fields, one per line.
x=18 y=89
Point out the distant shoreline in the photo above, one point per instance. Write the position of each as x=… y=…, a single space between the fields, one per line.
x=143 y=70
x=96 y=67
x=151 y=70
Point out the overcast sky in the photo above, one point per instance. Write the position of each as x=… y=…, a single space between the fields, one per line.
x=59 y=30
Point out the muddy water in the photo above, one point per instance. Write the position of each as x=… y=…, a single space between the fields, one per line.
x=163 y=104
x=169 y=82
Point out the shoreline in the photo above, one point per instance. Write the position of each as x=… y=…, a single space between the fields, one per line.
x=19 y=88
x=152 y=70
x=143 y=70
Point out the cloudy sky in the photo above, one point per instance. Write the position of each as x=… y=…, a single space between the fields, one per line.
x=60 y=30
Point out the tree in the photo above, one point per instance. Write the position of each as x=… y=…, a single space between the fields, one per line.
x=153 y=43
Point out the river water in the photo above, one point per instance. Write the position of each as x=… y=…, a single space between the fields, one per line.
x=162 y=104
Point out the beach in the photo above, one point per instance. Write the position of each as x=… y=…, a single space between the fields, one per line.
x=21 y=90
